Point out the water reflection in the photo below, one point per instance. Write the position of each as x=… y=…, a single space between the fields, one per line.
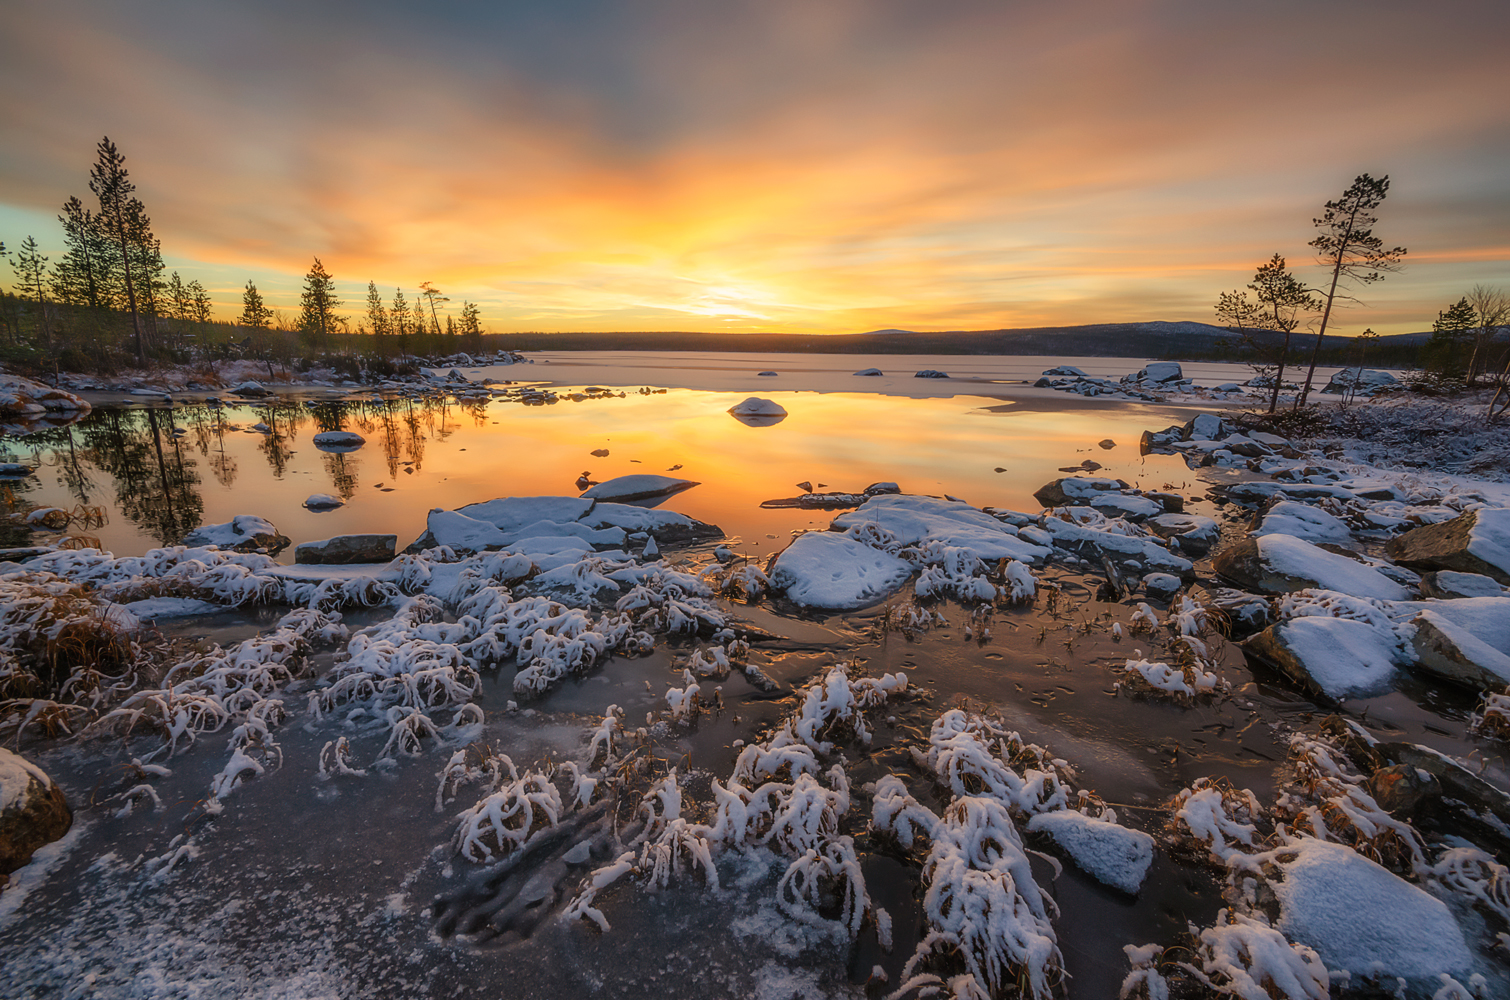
x=161 y=472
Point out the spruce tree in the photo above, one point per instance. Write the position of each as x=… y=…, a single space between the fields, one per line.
x=1347 y=245
x=199 y=302
x=471 y=327
x=30 y=266
x=79 y=277
x=254 y=313
x=378 y=317
x=1447 y=352
x=318 y=303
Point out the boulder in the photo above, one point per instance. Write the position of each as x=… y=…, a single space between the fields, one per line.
x=757 y=407
x=870 y=372
x=1465 y=641
x=1474 y=542
x=1365 y=381
x=1066 y=370
x=1205 y=427
x=1336 y=657
x=1280 y=564
x=242 y=533
x=253 y=389
x=1300 y=520
x=930 y=373
x=1246 y=613
x=1110 y=852
x=347 y=549
x=825 y=569
x=1193 y=533
x=1158 y=372
x=1162 y=586
x=33 y=811
x=1073 y=490
x=1447 y=585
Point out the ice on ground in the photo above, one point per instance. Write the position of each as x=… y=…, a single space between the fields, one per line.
x=1301 y=520
x=1362 y=918
x=1298 y=559
x=628 y=489
x=757 y=407
x=915 y=520
x=1111 y=852
x=169 y=607
x=825 y=569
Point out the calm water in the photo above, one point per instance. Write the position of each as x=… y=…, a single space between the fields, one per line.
x=156 y=484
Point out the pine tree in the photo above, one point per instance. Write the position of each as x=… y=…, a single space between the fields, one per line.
x=431 y=294
x=199 y=302
x=79 y=277
x=398 y=316
x=471 y=327
x=123 y=220
x=1348 y=246
x=1282 y=302
x=378 y=317
x=30 y=266
x=318 y=303
x=254 y=313
x=178 y=295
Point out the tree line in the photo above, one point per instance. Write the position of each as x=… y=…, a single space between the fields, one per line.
x=1466 y=348
x=108 y=300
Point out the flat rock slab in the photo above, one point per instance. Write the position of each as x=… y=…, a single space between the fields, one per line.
x=1475 y=542
x=343 y=549
x=1280 y=564
x=637 y=488
x=1339 y=657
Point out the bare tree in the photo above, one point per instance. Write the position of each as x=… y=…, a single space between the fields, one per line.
x=1491 y=313
x=1282 y=302
x=1347 y=245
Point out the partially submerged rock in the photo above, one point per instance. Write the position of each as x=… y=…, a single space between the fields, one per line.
x=917 y=520
x=870 y=372
x=1477 y=541
x=251 y=389
x=1300 y=520
x=23 y=397
x=1195 y=534
x=1072 y=490
x=339 y=441
x=931 y=373
x=1110 y=852
x=33 y=811
x=1280 y=564
x=343 y=549
x=1158 y=372
x=825 y=569
x=242 y=533
x=638 y=488
x=1447 y=585
x=754 y=406
x=1338 y=657
x=323 y=501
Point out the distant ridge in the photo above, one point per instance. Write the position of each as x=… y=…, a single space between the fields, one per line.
x=1155 y=339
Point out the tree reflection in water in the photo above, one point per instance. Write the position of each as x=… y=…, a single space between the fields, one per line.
x=133 y=457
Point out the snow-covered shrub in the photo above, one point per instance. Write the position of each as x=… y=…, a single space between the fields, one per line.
x=1220 y=818
x=974 y=755
x=505 y=819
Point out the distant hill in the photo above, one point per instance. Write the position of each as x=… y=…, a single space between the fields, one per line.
x=1159 y=339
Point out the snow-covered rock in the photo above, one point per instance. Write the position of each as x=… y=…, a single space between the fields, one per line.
x=33 y=810
x=512 y=513
x=754 y=406
x=460 y=532
x=241 y=533
x=1162 y=586
x=1195 y=534
x=1157 y=372
x=1066 y=370
x=1301 y=520
x=917 y=520
x=339 y=441
x=1447 y=585
x=870 y=372
x=1279 y=564
x=1206 y=427
x=250 y=388
x=629 y=489
x=825 y=569
x=931 y=373
x=1362 y=918
x=1477 y=541
x=153 y=608
x=1340 y=657
x=1365 y=381
x=323 y=501
x=1110 y=852
x=1466 y=641
x=25 y=398
x=1094 y=543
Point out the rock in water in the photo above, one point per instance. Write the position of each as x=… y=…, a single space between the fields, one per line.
x=1475 y=542
x=242 y=533
x=1115 y=855
x=338 y=441
x=1466 y=641
x=1159 y=371
x=825 y=569
x=323 y=501
x=870 y=372
x=33 y=810
x=344 y=549
x=638 y=488
x=930 y=373
x=1339 y=657
x=754 y=406
x=1280 y=564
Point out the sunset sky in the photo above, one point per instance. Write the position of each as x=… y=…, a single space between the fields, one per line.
x=780 y=165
